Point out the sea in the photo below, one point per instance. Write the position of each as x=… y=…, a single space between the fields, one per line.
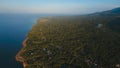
x=13 y=30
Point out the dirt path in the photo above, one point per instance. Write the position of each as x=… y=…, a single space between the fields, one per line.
x=44 y=20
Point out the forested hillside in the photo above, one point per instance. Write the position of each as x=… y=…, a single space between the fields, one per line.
x=87 y=41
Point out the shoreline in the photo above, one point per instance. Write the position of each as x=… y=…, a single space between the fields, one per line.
x=20 y=58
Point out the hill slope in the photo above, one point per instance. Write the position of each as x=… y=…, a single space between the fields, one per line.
x=90 y=41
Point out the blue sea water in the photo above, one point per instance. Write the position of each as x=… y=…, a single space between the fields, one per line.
x=13 y=30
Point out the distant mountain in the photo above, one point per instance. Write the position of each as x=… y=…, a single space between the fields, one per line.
x=113 y=12
x=112 y=16
x=114 y=24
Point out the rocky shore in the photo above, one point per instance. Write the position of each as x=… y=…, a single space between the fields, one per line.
x=19 y=57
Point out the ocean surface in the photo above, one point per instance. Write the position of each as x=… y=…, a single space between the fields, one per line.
x=13 y=30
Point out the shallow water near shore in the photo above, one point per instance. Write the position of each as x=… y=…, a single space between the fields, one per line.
x=13 y=30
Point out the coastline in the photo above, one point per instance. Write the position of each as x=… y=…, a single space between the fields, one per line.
x=20 y=58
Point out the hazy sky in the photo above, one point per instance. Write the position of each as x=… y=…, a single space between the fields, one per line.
x=57 y=6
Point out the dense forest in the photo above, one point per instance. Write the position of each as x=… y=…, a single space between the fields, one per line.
x=82 y=41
